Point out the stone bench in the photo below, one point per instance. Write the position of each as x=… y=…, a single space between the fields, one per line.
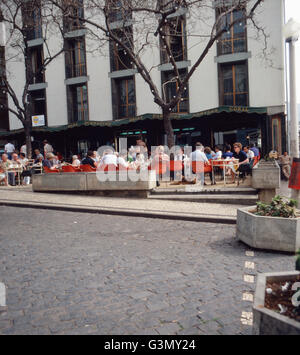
x=99 y=183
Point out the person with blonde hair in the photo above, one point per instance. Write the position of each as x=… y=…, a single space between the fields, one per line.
x=75 y=161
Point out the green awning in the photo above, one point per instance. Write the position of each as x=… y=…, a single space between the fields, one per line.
x=126 y=121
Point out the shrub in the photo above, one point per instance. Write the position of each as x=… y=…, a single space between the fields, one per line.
x=279 y=207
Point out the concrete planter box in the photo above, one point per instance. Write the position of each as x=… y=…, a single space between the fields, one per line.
x=266 y=321
x=266 y=179
x=95 y=183
x=266 y=175
x=271 y=233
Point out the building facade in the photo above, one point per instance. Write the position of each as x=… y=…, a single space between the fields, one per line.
x=91 y=98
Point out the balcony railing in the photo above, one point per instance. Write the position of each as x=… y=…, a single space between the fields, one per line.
x=76 y=70
x=37 y=78
x=232 y=45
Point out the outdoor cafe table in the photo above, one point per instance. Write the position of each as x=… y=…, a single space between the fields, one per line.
x=223 y=164
x=16 y=170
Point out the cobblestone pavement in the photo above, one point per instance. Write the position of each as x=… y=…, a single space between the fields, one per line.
x=70 y=273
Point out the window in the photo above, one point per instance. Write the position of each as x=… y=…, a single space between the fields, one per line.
x=234 y=40
x=37 y=60
x=75 y=58
x=126 y=98
x=77 y=103
x=118 y=11
x=167 y=5
x=38 y=99
x=32 y=19
x=170 y=88
x=120 y=60
x=234 y=84
x=175 y=36
x=74 y=13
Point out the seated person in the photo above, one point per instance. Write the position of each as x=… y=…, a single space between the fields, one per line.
x=285 y=162
x=121 y=160
x=26 y=173
x=23 y=160
x=250 y=155
x=3 y=177
x=160 y=155
x=15 y=162
x=75 y=161
x=208 y=153
x=50 y=161
x=109 y=158
x=243 y=163
x=4 y=166
x=38 y=156
x=88 y=160
x=218 y=153
x=228 y=153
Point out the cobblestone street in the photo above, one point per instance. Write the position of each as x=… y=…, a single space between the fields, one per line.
x=72 y=273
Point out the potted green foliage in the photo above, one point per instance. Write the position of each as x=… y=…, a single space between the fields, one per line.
x=273 y=226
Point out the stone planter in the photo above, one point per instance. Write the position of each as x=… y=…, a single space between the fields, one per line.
x=266 y=179
x=271 y=233
x=266 y=321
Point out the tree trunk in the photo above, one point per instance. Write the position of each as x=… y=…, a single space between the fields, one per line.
x=168 y=128
x=27 y=130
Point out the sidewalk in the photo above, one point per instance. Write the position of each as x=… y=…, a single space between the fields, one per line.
x=177 y=210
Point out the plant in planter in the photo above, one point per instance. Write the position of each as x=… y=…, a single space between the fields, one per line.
x=272 y=226
x=279 y=207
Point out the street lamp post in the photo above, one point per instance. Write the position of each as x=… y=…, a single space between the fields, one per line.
x=291 y=32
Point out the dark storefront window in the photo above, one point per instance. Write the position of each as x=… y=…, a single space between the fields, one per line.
x=234 y=40
x=73 y=16
x=75 y=58
x=32 y=19
x=170 y=88
x=234 y=84
x=77 y=103
x=126 y=97
x=175 y=36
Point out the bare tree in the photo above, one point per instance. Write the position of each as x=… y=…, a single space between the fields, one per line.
x=24 y=21
x=145 y=25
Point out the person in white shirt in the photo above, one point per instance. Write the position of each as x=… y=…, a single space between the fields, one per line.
x=9 y=149
x=218 y=153
x=250 y=153
x=199 y=156
x=24 y=149
x=75 y=161
x=109 y=158
x=47 y=148
x=121 y=160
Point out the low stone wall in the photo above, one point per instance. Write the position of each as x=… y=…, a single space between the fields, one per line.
x=98 y=183
x=270 y=233
x=266 y=321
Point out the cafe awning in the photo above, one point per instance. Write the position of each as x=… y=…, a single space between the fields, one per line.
x=126 y=121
